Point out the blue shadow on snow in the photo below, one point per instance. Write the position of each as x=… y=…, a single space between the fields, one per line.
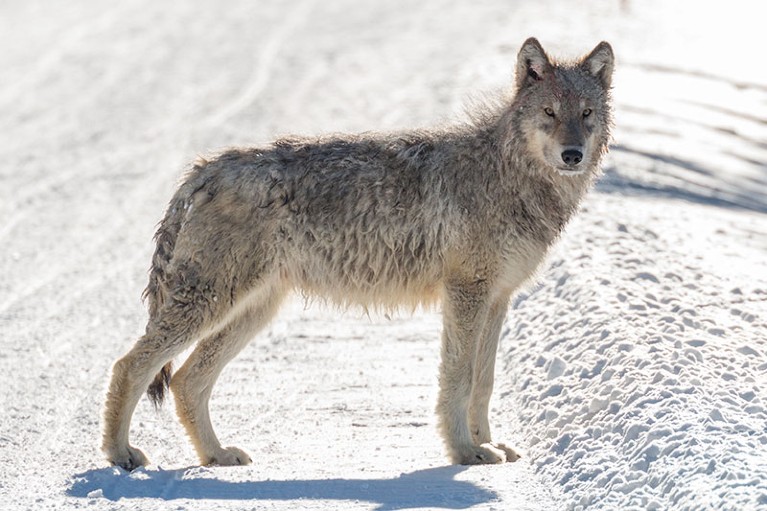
x=435 y=488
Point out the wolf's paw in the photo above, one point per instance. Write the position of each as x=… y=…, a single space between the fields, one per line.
x=229 y=456
x=129 y=459
x=511 y=454
x=484 y=454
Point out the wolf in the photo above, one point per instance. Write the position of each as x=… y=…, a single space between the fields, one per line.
x=462 y=214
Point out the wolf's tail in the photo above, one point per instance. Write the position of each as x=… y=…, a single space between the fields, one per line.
x=157 y=291
x=160 y=385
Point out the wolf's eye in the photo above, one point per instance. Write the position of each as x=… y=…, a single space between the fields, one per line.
x=549 y=111
x=587 y=112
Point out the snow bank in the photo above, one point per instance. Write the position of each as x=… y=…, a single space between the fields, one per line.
x=637 y=364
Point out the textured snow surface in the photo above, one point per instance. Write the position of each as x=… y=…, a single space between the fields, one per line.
x=631 y=374
x=637 y=364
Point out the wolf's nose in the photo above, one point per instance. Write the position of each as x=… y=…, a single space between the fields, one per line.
x=572 y=156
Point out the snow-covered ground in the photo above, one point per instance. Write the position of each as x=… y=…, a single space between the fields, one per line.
x=631 y=376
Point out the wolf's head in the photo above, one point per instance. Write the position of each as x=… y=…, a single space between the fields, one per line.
x=562 y=110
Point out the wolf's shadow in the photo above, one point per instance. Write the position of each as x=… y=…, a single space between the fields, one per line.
x=434 y=488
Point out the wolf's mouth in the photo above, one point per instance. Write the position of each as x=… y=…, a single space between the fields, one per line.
x=571 y=171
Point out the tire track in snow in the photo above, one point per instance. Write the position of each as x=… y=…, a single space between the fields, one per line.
x=264 y=66
x=72 y=39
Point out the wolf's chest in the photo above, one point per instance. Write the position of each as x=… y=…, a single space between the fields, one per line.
x=521 y=263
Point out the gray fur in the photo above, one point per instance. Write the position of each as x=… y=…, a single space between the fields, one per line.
x=463 y=214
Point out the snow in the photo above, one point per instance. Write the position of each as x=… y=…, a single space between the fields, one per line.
x=643 y=386
x=631 y=374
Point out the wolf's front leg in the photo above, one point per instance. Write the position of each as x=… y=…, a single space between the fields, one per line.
x=465 y=312
x=483 y=372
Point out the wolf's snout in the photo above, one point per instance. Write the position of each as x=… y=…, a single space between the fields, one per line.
x=572 y=156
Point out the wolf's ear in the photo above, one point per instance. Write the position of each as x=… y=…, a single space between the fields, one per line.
x=532 y=63
x=600 y=63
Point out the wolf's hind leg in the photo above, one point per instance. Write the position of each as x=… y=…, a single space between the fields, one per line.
x=189 y=313
x=193 y=383
x=482 y=380
x=131 y=375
